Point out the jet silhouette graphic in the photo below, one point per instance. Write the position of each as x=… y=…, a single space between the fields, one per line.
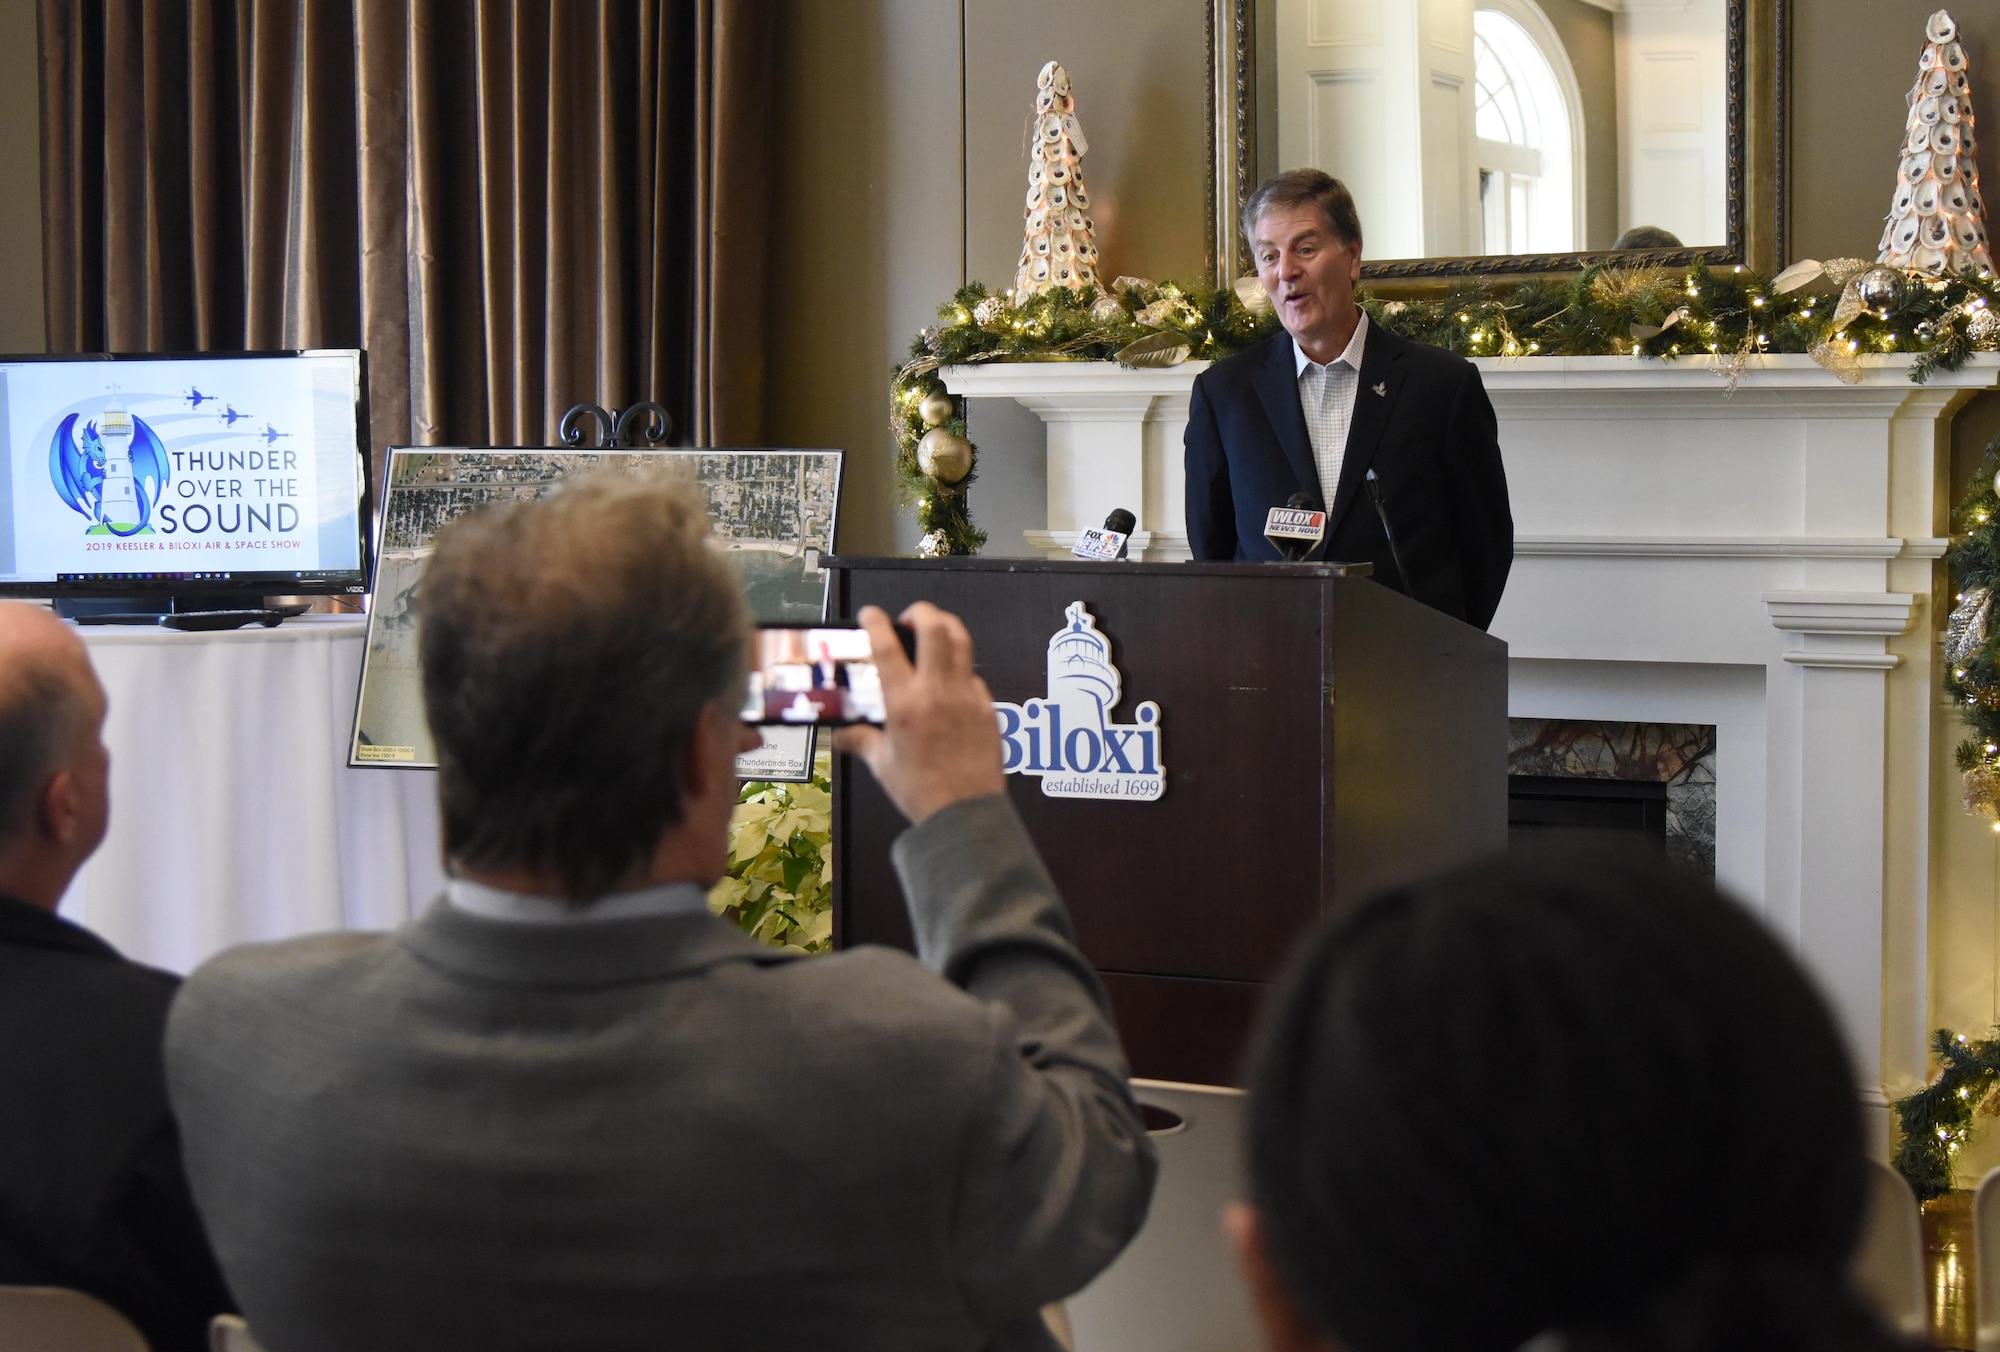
x=271 y=434
x=231 y=416
x=196 y=398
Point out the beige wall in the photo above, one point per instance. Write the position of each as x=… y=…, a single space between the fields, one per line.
x=1852 y=63
x=1140 y=70
x=1585 y=30
x=887 y=152
x=869 y=234
x=20 y=181
x=887 y=203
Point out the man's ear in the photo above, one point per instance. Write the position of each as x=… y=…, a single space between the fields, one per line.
x=717 y=740
x=700 y=753
x=58 y=808
x=1286 y=1329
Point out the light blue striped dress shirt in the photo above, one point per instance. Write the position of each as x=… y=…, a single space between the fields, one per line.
x=1326 y=393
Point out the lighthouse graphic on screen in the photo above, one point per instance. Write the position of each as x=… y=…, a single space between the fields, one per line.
x=111 y=469
x=120 y=503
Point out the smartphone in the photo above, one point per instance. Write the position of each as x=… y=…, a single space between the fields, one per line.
x=820 y=674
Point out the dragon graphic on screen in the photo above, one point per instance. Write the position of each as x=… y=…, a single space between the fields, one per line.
x=112 y=474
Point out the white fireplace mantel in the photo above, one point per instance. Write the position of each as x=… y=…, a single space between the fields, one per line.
x=1764 y=560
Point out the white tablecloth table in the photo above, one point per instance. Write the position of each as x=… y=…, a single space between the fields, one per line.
x=234 y=815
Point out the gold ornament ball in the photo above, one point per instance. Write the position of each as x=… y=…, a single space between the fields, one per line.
x=1982 y=791
x=1877 y=290
x=945 y=456
x=937 y=408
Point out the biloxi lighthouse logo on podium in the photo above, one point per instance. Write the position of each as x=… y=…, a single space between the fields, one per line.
x=1069 y=739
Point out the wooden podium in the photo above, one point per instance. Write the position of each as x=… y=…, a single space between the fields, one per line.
x=1319 y=736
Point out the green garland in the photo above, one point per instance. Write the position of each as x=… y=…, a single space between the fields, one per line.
x=1972 y=666
x=1054 y=325
x=1938 y=1119
x=1731 y=313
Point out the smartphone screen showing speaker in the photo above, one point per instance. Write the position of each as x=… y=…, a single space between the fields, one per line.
x=821 y=675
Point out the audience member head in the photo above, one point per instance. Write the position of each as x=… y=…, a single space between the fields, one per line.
x=583 y=662
x=54 y=771
x=1567 y=1096
x=1648 y=237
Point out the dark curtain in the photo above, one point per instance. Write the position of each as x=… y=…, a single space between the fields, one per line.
x=514 y=205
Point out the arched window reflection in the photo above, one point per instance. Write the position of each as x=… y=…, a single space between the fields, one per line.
x=1527 y=163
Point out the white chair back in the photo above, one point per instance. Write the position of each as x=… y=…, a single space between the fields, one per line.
x=1177 y=1288
x=228 y=1333
x=1888 y=1265
x=1986 y=1260
x=52 y=1319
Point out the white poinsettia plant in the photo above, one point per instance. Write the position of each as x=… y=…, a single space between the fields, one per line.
x=779 y=886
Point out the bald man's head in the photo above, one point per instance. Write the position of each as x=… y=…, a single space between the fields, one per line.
x=53 y=767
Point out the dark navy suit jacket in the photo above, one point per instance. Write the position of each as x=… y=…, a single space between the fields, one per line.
x=1422 y=422
x=91 y=1190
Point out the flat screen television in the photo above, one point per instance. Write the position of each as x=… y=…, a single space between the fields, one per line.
x=210 y=476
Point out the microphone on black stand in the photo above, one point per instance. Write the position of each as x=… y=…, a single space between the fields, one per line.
x=1296 y=529
x=1109 y=543
x=1121 y=523
x=1382 y=515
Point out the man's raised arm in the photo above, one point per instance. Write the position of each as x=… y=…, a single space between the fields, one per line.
x=1056 y=1170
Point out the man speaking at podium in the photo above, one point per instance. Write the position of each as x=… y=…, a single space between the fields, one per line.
x=1316 y=407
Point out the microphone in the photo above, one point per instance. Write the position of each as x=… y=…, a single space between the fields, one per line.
x=1296 y=529
x=1382 y=515
x=1109 y=542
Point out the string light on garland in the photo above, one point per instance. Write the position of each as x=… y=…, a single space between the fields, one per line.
x=1938 y=1120
x=1972 y=645
x=1058 y=324
x=1728 y=316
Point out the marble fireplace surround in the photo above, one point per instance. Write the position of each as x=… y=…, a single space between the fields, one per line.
x=1763 y=561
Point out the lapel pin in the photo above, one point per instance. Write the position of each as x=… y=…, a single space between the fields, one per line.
x=1382 y=388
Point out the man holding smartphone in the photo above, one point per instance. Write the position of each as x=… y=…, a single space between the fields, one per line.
x=567 y=1103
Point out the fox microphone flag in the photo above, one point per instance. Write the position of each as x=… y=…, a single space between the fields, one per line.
x=1109 y=543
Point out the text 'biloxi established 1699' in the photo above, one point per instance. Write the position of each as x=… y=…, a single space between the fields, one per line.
x=1069 y=739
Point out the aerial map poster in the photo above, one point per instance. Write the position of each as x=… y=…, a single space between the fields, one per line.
x=773 y=511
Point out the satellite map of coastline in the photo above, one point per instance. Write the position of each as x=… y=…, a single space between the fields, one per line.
x=769 y=508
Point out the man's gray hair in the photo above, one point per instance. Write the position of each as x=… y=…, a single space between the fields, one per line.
x=41 y=711
x=1301 y=188
x=569 y=646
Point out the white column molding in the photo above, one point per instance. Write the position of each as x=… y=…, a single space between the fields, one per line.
x=1728 y=547
x=1114 y=441
x=1845 y=630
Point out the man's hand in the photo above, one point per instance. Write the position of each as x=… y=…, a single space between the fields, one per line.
x=941 y=742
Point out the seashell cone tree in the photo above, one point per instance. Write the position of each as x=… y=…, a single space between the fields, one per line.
x=1937 y=222
x=1057 y=249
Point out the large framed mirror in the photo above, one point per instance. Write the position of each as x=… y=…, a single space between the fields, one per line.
x=1496 y=137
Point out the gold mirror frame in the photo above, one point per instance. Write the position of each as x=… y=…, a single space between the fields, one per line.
x=1757 y=88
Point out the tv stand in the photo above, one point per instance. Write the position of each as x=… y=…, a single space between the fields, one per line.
x=199 y=611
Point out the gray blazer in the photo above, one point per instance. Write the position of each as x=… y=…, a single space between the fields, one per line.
x=655 y=1132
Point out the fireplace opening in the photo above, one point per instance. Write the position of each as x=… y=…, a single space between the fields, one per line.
x=1654 y=781
x=1539 y=806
